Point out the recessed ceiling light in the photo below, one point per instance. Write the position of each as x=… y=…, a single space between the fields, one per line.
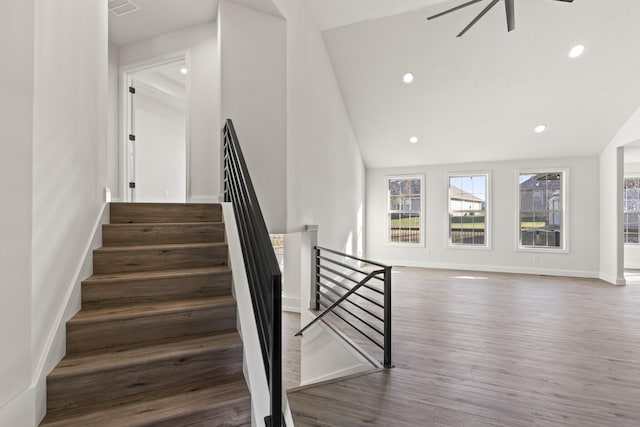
x=413 y=139
x=183 y=70
x=540 y=128
x=576 y=51
x=407 y=78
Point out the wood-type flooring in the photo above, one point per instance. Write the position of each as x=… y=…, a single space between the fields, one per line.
x=488 y=349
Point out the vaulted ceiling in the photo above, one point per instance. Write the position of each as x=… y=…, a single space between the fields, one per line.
x=474 y=98
x=479 y=97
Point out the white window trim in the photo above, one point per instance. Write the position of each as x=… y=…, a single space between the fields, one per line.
x=488 y=232
x=632 y=245
x=565 y=211
x=422 y=179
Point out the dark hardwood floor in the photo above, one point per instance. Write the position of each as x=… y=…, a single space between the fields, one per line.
x=484 y=349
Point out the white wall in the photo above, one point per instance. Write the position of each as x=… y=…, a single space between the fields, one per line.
x=253 y=79
x=160 y=152
x=203 y=100
x=16 y=122
x=611 y=214
x=113 y=130
x=581 y=260
x=325 y=173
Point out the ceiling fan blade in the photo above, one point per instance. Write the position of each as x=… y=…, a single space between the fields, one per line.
x=453 y=9
x=511 y=16
x=477 y=18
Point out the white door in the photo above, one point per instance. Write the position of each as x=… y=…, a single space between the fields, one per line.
x=156 y=150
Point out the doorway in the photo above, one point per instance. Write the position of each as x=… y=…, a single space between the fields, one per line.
x=155 y=135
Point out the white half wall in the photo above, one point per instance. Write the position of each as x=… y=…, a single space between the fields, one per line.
x=583 y=218
x=16 y=150
x=253 y=78
x=325 y=171
x=203 y=103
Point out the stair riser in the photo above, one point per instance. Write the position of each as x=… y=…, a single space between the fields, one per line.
x=130 y=260
x=87 y=335
x=128 y=383
x=123 y=213
x=154 y=290
x=161 y=234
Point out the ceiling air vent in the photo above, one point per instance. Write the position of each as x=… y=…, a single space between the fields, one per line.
x=122 y=7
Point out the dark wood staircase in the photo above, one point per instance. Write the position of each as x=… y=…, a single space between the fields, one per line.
x=155 y=343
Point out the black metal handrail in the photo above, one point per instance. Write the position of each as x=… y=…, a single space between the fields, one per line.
x=263 y=272
x=359 y=293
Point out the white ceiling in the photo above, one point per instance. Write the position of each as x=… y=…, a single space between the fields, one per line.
x=474 y=98
x=478 y=98
x=157 y=17
x=336 y=13
x=164 y=84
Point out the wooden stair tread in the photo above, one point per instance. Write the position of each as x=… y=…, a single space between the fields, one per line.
x=165 y=408
x=149 y=309
x=159 y=274
x=118 y=357
x=155 y=343
x=161 y=224
x=110 y=249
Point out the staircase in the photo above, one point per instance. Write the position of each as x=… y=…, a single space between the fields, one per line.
x=155 y=343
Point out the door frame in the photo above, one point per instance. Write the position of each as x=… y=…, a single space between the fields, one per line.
x=125 y=73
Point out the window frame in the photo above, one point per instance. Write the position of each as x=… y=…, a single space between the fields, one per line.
x=488 y=234
x=628 y=176
x=388 y=211
x=564 y=246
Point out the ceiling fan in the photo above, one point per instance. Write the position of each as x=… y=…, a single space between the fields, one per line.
x=511 y=19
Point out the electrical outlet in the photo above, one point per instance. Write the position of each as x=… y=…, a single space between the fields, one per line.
x=166 y=193
x=536 y=258
x=428 y=252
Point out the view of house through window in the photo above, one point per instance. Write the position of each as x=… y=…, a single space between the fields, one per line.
x=631 y=209
x=404 y=209
x=541 y=210
x=468 y=210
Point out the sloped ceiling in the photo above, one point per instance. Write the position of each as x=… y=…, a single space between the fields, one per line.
x=479 y=97
x=157 y=17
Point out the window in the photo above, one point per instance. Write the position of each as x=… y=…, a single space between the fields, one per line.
x=468 y=220
x=631 y=209
x=404 y=209
x=542 y=210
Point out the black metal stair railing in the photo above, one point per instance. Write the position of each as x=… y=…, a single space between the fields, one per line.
x=362 y=302
x=263 y=272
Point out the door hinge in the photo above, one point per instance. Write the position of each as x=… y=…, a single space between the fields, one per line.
x=132 y=185
x=132 y=137
x=132 y=89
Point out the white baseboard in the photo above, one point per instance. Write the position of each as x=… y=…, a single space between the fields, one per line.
x=357 y=369
x=612 y=279
x=55 y=347
x=19 y=411
x=206 y=199
x=290 y=304
x=497 y=269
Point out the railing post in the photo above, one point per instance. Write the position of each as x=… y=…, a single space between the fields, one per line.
x=387 y=317
x=312 y=232
x=275 y=366
x=316 y=287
